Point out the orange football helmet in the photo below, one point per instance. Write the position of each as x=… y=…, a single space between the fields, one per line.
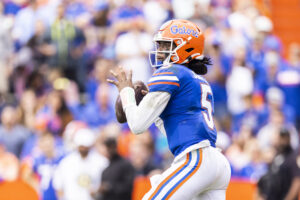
x=186 y=43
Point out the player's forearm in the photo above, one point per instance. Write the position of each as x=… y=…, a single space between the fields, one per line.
x=140 y=118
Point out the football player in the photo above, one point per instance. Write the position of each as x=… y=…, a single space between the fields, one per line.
x=180 y=103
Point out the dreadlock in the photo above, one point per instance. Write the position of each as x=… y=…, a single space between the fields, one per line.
x=199 y=66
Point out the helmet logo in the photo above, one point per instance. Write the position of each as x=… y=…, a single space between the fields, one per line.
x=176 y=30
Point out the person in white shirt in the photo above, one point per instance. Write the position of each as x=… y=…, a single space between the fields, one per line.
x=78 y=175
x=132 y=50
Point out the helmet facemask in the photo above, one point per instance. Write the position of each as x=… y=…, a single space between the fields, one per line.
x=165 y=52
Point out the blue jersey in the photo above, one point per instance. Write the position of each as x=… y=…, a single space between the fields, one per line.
x=188 y=115
x=45 y=168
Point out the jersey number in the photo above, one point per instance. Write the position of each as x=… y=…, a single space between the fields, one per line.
x=206 y=104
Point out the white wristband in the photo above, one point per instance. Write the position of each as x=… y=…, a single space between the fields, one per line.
x=127 y=95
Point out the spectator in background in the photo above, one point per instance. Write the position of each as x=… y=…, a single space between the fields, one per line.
x=78 y=175
x=275 y=100
x=223 y=139
x=256 y=167
x=163 y=12
x=69 y=134
x=75 y=9
x=267 y=134
x=282 y=181
x=201 y=15
x=100 y=13
x=294 y=55
x=62 y=33
x=264 y=28
x=241 y=18
x=288 y=80
x=40 y=45
x=26 y=19
x=98 y=112
x=9 y=165
x=239 y=86
x=12 y=134
x=95 y=37
x=141 y=155
x=117 y=178
x=236 y=153
x=6 y=49
x=132 y=50
x=232 y=40
x=27 y=109
x=56 y=111
x=256 y=56
x=35 y=81
x=217 y=77
x=187 y=12
x=221 y=9
x=31 y=149
x=98 y=77
x=69 y=42
x=121 y=16
x=45 y=164
x=12 y=7
x=272 y=65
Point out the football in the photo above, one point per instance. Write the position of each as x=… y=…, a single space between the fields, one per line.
x=139 y=86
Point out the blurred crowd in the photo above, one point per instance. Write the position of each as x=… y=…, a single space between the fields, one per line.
x=58 y=127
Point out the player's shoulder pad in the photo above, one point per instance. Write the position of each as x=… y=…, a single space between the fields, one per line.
x=174 y=69
x=165 y=79
x=171 y=73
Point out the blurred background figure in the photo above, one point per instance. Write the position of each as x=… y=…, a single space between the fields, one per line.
x=275 y=101
x=26 y=19
x=56 y=111
x=78 y=175
x=12 y=134
x=45 y=164
x=239 y=84
x=27 y=109
x=68 y=42
x=98 y=77
x=9 y=165
x=6 y=49
x=246 y=159
x=141 y=155
x=282 y=181
x=268 y=133
x=132 y=50
x=96 y=112
x=99 y=112
x=117 y=179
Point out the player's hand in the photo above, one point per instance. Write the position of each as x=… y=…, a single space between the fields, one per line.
x=144 y=92
x=122 y=80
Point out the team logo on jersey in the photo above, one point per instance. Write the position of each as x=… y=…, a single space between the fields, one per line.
x=176 y=30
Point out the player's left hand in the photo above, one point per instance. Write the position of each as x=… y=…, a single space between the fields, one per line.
x=122 y=80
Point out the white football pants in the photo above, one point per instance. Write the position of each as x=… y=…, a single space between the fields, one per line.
x=201 y=174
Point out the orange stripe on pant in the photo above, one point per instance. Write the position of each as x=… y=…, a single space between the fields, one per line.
x=187 y=178
x=170 y=176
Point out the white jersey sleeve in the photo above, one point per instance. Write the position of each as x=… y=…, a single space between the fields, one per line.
x=140 y=118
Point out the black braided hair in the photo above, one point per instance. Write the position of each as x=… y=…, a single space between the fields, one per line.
x=199 y=66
